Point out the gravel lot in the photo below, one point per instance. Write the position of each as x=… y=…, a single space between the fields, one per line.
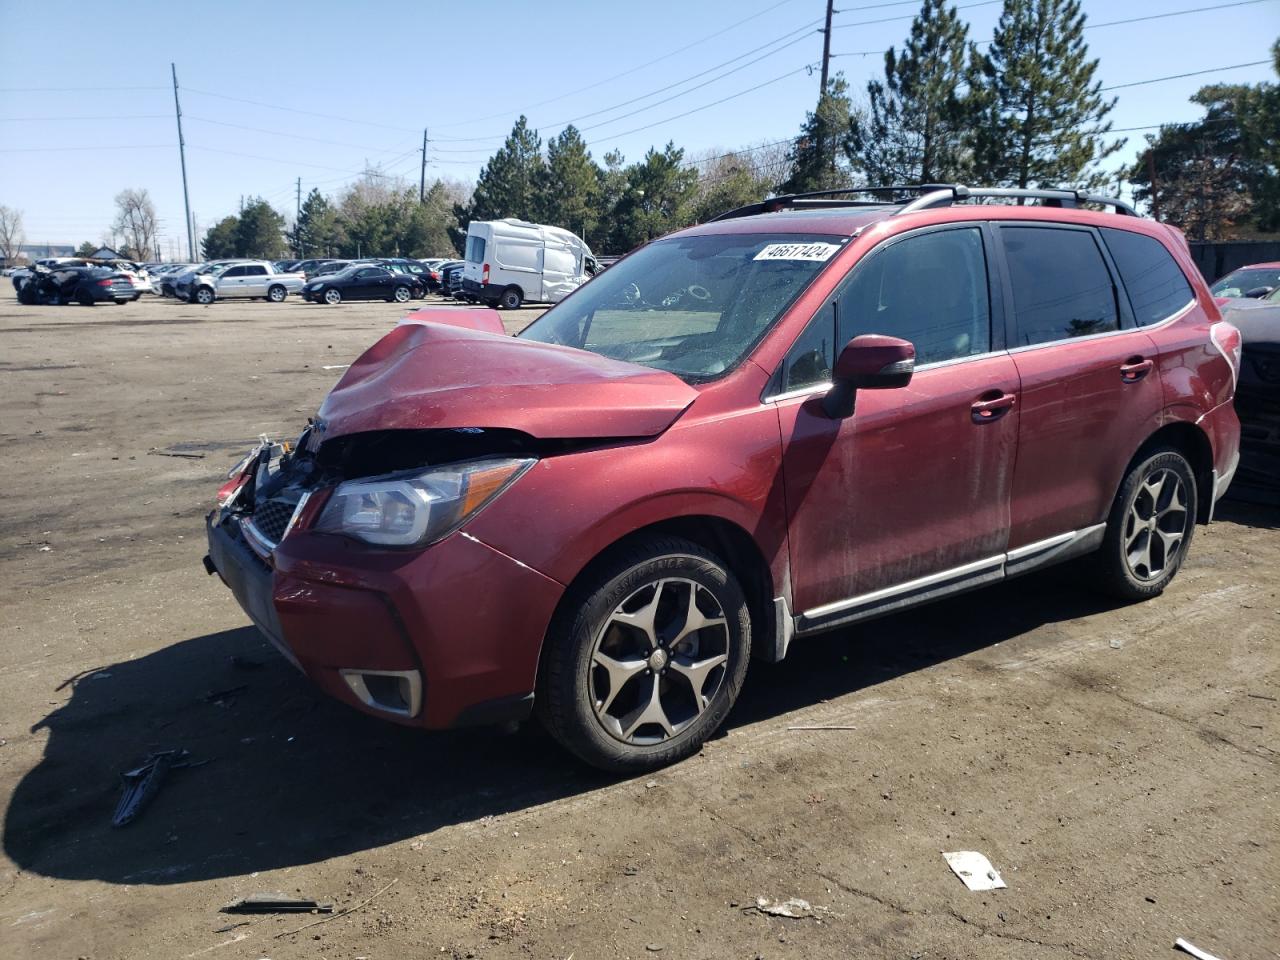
x=1117 y=764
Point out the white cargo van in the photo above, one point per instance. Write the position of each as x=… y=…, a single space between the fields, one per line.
x=510 y=262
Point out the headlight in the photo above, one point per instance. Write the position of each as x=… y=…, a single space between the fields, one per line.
x=406 y=510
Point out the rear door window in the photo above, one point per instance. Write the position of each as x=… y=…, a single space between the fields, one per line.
x=233 y=272
x=1061 y=285
x=255 y=271
x=1155 y=283
x=475 y=249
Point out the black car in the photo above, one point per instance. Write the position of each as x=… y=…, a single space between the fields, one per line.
x=1258 y=398
x=451 y=279
x=363 y=282
x=436 y=274
x=312 y=267
x=76 y=284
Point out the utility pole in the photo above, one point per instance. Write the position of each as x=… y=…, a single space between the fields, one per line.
x=422 y=181
x=826 y=46
x=297 y=206
x=182 y=153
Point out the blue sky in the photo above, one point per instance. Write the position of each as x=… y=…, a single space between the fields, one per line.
x=361 y=84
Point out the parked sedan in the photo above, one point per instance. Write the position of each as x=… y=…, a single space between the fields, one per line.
x=1258 y=396
x=363 y=282
x=1252 y=282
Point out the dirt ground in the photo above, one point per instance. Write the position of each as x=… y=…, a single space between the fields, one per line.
x=1117 y=764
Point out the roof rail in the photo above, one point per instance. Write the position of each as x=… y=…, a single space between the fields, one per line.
x=816 y=199
x=944 y=195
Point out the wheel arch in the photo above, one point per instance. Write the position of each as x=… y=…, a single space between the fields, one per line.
x=1192 y=442
x=728 y=541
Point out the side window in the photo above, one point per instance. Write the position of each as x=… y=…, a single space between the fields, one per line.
x=930 y=289
x=233 y=272
x=810 y=358
x=255 y=271
x=1061 y=285
x=1155 y=283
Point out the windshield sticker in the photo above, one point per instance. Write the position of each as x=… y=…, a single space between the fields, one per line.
x=797 y=251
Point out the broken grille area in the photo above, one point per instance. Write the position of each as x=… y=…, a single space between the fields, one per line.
x=272 y=517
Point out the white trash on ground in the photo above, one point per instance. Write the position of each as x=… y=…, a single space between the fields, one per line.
x=975 y=870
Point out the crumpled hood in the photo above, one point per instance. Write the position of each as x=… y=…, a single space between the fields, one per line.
x=433 y=376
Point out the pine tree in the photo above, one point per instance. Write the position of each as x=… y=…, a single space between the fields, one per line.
x=508 y=183
x=220 y=240
x=656 y=200
x=260 y=231
x=569 y=188
x=317 y=231
x=819 y=156
x=919 y=116
x=1045 y=120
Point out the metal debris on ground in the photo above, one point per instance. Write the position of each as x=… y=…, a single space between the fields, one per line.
x=793 y=909
x=1192 y=949
x=341 y=913
x=175 y=453
x=975 y=870
x=275 y=903
x=142 y=783
x=824 y=727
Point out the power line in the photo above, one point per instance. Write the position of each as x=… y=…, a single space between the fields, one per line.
x=136 y=116
x=71 y=89
x=121 y=146
x=291 y=136
x=1171 y=13
x=624 y=73
x=867 y=23
x=1179 y=76
x=308 y=113
x=705 y=106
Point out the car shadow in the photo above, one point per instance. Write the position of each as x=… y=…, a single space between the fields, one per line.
x=1261 y=514
x=294 y=778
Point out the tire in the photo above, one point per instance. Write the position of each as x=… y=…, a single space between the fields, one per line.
x=26 y=295
x=510 y=299
x=136 y=297
x=333 y=296
x=1150 y=527
x=401 y=294
x=203 y=296
x=119 y=303
x=277 y=294
x=85 y=300
x=606 y=715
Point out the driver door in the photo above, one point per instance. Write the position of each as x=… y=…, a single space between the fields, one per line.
x=911 y=494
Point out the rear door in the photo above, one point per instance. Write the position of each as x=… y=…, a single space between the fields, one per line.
x=910 y=494
x=1091 y=393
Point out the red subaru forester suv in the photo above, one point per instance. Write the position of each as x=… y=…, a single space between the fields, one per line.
x=809 y=412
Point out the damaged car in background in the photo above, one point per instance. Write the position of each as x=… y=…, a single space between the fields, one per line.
x=802 y=415
x=82 y=283
x=1258 y=396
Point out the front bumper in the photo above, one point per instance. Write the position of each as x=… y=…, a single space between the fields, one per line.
x=395 y=634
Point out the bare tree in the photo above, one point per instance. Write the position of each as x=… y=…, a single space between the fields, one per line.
x=136 y=222
x=11 y=235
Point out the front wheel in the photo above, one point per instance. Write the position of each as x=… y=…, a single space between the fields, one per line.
x=647 y=658
x=401 y=294
x=277 y=294
x=1150 y=527
x=332 y=296
x=203 y=296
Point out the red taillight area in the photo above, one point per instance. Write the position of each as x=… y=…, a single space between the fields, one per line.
x=228 y=489
x=1227 y=338
x=105 y=283
x=484 y=274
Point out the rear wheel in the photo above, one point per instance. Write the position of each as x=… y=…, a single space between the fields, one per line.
x=85 y=300
x=401 y=294
x=332 y=296
x=647 y=658
x=277 y=294
x=1150 y=527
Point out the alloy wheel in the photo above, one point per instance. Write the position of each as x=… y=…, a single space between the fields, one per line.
x=1156 y=525
x=332 y=296
x=401 y=294
x=659 y=661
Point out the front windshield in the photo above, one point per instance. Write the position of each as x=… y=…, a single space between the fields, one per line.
x=1240 y=282
x=693 y=306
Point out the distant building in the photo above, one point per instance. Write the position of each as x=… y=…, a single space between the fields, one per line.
x=38 y=251
x=106 y=253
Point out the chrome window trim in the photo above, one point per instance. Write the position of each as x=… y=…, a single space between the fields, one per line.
x=1182 y=312
x=819 y=388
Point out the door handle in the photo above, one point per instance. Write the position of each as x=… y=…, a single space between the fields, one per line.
x=1135 y=368
x=992 y=406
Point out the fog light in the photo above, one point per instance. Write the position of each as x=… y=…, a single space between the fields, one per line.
x=390 y=691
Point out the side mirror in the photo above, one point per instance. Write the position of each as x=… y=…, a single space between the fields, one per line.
x=1257 y=293
x=869 y=362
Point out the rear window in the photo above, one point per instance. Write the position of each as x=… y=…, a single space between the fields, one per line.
x=1156 y=285
x=1061 y=285
x=475 y=249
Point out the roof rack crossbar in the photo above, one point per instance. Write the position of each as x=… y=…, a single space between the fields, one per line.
x=820 y=198
x=946 y=195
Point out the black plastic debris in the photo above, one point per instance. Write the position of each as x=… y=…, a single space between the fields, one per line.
x=143 y=782
x=272 y=903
